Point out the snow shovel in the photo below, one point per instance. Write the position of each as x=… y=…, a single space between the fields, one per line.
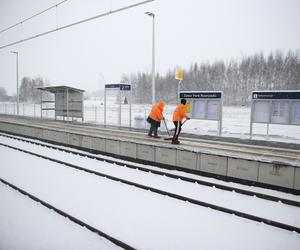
x=170 y=138
x=166 y=127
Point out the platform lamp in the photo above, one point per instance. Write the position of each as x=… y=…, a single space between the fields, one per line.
x=153 y=56
x=17 y=54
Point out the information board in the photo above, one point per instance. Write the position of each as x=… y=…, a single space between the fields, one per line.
x=275 y=107
x=121 y=88
x=204 y=105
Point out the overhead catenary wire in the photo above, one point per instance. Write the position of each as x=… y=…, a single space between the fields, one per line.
x=35 y=15
x=76 y=23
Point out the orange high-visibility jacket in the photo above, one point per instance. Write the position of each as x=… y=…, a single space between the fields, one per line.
x=179 y=113
x=156 y=111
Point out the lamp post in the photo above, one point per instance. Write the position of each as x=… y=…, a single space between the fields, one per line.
x=17 y=54
x=153 y=56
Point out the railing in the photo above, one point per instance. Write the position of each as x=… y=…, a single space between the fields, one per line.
x=92 y=113
x=235 y=120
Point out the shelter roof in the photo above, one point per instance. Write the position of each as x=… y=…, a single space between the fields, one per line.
x=55 y=89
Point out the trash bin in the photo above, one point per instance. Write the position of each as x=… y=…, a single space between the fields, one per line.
x=139 y=121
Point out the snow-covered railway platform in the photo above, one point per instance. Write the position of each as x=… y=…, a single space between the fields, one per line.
x=265 y=165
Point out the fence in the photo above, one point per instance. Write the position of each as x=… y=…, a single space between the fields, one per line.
x=92 y=113
x=235 y=120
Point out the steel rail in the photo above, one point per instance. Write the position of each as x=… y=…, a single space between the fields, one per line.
x=162 y=173
x=165 y=193
x=72 y=218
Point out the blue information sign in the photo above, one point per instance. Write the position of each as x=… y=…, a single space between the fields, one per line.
x=120 y=86
x=276 y=95
x=201 y=95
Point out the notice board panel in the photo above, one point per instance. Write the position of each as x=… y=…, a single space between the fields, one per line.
x=199 y=109
x=213 y=110
x=261 y=111
x=295 y=114
x=275 y=107
x=280 y=112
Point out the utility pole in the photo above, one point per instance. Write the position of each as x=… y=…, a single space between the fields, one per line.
x=17 y=54
x=153 y=56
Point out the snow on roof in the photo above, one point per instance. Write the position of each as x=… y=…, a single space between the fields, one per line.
x=54 y=89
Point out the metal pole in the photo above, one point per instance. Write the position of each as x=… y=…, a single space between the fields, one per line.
x=67 y=105
x=178 y=91
x=41 y=104
x=95 y=114
x=17 y=83
x=251 y=117
x=120 y=107
x=153 y=62
x=130 y=109
x=221 y=116
x=153 y=55
x=17 y=54
x=82 y=113
x=145 y=115
x=104 y=106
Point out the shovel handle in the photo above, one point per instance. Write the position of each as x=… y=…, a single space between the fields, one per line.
x=166 y=127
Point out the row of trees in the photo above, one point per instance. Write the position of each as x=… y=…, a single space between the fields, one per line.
x=3 y=95
x=28 y=91
x=236 y=78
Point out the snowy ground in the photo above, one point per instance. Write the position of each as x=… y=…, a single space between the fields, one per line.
x=140 y=218
x=25 y=224
x=236 y=120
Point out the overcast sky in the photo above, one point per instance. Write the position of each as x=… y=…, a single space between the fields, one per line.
x=87 y=55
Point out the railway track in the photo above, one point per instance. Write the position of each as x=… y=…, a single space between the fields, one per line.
x=68 y=216
x=121 y=163
x=165 y=193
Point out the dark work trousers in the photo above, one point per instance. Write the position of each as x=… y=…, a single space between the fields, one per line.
x=177 y=130
x=153 y=128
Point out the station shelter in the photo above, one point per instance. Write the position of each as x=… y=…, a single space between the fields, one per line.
x=68 y=102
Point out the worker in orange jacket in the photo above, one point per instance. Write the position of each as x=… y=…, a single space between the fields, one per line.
x=178 y=115
x=155 y=118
